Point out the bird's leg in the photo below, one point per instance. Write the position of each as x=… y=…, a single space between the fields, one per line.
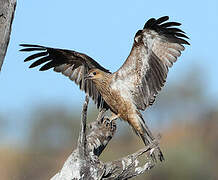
x=114 y=117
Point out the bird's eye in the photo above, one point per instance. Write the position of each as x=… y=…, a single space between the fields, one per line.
x=94 y=73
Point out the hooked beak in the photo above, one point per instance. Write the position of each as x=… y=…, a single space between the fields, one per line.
x=88 y=76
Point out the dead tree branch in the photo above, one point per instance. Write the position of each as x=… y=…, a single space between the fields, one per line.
x=82 y=141
x=7 y=9
x=84 y=161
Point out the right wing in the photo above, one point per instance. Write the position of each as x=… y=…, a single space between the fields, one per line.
x=156 y=47
x=73 y=64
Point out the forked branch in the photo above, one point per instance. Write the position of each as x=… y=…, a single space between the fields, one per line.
x=84 y=161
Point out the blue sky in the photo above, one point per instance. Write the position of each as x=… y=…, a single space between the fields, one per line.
x=104 y=31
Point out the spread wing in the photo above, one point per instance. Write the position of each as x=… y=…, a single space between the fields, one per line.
x=155 y=49
x=73 y=64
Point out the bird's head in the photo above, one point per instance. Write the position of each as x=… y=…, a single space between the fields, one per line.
x=95 y=74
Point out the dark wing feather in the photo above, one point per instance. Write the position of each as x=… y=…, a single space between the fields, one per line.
x=155 y=49
x=40 y=61
x=34 y=56
x=73 y=64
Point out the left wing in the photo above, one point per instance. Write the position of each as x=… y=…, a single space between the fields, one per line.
x=155 y=49
x=72 y=64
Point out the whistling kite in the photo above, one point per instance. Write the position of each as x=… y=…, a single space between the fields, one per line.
x=134 y=86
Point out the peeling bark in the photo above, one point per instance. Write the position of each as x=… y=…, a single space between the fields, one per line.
x=84 y=161
x=7 y=9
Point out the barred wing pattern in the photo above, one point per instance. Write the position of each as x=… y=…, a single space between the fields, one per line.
x=72 y=64
x=155 y=49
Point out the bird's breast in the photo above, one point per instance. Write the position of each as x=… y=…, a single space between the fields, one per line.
x=118 y=97
x=120 y=100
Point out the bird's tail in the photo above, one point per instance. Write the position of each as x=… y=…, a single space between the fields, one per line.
x=145 y=132
x=147 y=135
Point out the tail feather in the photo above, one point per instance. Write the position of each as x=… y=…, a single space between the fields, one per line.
x=145 y=133
x=147 y=136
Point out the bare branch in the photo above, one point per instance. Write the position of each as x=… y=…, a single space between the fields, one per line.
x=87 y=165
x=82 y=142
x=7 y=9
x=128 y=166
x=84 y=161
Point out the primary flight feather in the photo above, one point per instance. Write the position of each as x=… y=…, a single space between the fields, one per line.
x=135 y=85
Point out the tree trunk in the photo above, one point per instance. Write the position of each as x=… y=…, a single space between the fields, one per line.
x=7 y=9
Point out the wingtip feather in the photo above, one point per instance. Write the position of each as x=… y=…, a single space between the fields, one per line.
x=167 y=29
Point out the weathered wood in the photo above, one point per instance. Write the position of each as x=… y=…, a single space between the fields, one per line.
x=84 y=161
x=82 y=141
x=7 y=9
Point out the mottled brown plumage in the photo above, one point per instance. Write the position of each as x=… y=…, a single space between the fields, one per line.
x=134 y=86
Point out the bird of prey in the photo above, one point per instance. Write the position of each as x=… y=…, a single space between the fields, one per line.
x=135 y=85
